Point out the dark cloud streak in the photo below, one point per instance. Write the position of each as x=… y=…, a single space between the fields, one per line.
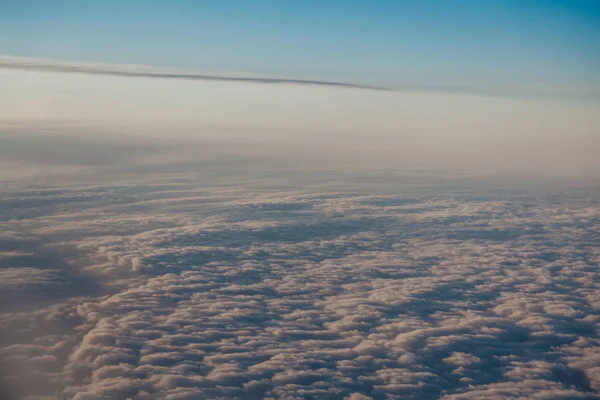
x=124 y=71
x=145 y=71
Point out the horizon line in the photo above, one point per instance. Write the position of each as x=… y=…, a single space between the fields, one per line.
x=149 y=71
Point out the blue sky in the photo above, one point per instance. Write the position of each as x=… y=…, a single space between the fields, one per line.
x=381 y=42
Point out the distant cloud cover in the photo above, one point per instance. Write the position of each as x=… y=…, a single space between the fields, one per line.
x=235 y=279
x=307 y=301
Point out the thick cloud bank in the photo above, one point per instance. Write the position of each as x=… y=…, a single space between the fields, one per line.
x=189 y=290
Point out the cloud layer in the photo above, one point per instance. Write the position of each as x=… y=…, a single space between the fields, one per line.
x=187 y=289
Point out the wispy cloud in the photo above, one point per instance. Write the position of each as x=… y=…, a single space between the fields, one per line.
x=143 y=71
x=489 y=89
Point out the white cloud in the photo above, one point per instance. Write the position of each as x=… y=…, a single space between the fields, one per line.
x=247 y=292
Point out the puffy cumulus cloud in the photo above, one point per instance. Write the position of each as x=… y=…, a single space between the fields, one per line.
x=265 y=293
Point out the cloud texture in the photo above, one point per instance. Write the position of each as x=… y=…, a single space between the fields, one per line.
x=187 y=289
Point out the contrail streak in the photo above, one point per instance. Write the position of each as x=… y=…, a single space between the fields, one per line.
x=130 y=71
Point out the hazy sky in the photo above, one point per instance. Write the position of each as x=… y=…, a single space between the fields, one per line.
x=553 y=43
x=480 y=84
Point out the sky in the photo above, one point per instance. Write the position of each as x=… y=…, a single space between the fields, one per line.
x=467 y=85
x=338 y=200
x=547 y=45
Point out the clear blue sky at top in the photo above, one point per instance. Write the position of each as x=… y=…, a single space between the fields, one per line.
x=375 y=42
